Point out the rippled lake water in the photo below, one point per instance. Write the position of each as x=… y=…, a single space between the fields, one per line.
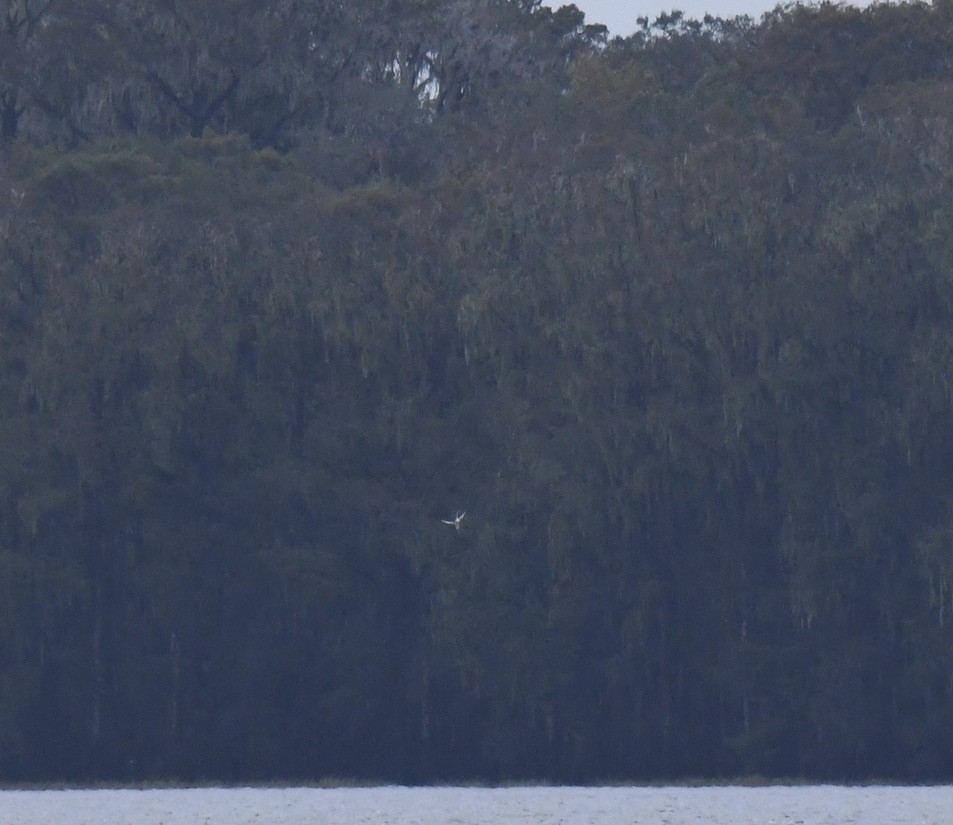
x=777 y=805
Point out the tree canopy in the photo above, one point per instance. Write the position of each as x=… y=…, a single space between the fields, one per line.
x=669 y=317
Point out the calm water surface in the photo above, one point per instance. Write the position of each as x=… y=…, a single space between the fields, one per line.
x=812 y=805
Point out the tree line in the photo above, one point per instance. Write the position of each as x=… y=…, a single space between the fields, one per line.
x=669 y=317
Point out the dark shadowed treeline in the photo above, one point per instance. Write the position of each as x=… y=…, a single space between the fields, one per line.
x=671 y=318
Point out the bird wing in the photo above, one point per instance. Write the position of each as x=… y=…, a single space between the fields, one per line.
x=447 y=522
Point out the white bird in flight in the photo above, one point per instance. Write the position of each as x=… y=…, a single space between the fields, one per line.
x=455 y=521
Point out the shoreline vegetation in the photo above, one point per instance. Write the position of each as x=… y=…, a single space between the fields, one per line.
x=285 y=286
x=343 y=784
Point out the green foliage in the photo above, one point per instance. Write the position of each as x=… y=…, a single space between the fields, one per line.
x=669 y=318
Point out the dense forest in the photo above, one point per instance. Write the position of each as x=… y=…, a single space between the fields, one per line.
x=670 y=318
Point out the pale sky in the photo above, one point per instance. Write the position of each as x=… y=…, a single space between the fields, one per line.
x=620 y=15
